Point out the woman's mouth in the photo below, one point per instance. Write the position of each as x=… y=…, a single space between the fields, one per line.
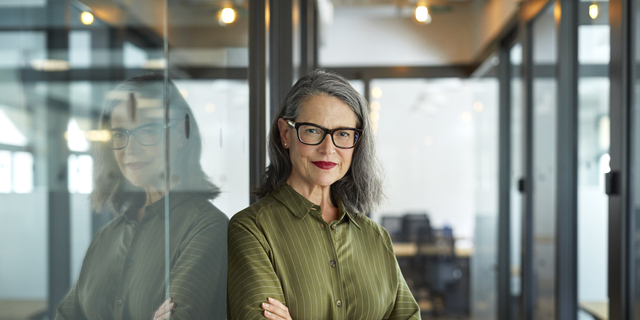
x=326 y=165
x=136 y=165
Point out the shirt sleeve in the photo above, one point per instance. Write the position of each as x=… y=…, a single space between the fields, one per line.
x=252 y=278
x=198 y=278
x=405 y=306
x=69 y=308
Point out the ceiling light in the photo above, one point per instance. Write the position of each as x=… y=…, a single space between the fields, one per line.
x=86 y=18
x=227 y=15
x=422 y=14
x=593 y=11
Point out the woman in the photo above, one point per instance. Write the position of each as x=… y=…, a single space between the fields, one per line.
x=123 y=274
x=306 y=243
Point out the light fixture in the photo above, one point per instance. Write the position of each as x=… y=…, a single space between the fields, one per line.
x=86 y=18
x=376 y=92
x=227 y=15
x=422 y=14
x=478 y=106
x=593 y=11
x=49 y=65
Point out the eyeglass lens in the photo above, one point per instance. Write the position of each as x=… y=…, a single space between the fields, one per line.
x=146 y=135
x=343 y=138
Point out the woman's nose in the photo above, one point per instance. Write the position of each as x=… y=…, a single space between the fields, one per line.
x=327 y=146
x=133 y=147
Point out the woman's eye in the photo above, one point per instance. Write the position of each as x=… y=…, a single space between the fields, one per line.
x=118 y=135
x=312 y=131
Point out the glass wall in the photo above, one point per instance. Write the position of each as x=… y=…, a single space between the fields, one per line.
x=112 y=132
x=544 y=162
x=593 y=158
x=516 y=174
x=440 y=173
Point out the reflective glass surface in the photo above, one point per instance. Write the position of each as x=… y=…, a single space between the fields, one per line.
x=517 y=173
x=119 y=163
x=437 y=140
x=544 y=163
x=593 y=160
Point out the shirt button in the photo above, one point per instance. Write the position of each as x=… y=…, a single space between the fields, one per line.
x=119 y=302
x=334 y=226
x=339 y=303
x=332 y=264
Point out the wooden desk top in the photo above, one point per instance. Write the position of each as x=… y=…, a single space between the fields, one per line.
x=411 y=249
x=598 y=309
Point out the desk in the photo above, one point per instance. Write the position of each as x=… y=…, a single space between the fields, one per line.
x=598 y=309
x=21 y=309
x=411 y=249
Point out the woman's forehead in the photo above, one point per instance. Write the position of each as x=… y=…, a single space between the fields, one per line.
x=327 y=109
x=125 y=113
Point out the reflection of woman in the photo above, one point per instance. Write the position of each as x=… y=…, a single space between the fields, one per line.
x=306 y=243
x=123 y=273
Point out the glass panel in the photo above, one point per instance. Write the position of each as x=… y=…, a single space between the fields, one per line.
x=76 y=76
x=440 y=172
x=544 y=164
x=593 y=160
x=517 y=173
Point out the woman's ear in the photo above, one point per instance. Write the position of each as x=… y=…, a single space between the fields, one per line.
x=284 y=128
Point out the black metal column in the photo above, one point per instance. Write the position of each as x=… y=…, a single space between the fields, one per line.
x=57 y=155
x=620 y=278
x=566 y=278
x=504 y=185
x=280 y=52
x=527 y=276
x=308 y=34
x=257 y=92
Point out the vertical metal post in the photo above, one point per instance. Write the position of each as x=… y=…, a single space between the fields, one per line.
x=307 y=34
x=566 y=268
x=257 y=92
x=620 y=278
x=528 y=281
x=57 y=155
x=504 y=185
x=280 y=52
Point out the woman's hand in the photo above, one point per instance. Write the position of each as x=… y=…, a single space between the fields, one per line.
x=165 y=310
x=275 y=310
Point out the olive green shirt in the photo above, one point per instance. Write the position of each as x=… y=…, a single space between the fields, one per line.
x=123 y=273
x=280 y=247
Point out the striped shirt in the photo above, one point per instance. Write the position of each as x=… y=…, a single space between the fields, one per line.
x=280 y=247
x=123 y=273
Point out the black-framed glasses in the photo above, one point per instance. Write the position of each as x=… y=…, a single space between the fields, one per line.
x=146 y=135
x=313 y=134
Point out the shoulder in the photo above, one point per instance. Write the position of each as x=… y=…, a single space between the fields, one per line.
x=253 y=214
x=201 y=211
x=375 y=231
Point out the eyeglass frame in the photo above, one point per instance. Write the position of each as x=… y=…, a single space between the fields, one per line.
x=330 y=132
x=130 y=133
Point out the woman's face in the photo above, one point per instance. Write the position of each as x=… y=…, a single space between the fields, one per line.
x=319 y=165
x=142 y=165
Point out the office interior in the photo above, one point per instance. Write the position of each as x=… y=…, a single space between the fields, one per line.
x=507 y=131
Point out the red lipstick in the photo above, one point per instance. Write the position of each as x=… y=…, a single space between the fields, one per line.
x=326 y=165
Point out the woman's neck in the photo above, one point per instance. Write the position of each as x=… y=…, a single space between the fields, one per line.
x=319 y=195
x=154 y=194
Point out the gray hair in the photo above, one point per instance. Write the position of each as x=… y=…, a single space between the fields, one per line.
x=361 y=187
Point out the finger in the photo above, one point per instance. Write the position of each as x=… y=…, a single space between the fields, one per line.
x=164 y=308
x=270 y=315
x=163 y=316
x=278 y=304
x=276 y=310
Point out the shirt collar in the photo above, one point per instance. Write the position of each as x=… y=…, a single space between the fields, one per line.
x=301 y=206
x=157 y=208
